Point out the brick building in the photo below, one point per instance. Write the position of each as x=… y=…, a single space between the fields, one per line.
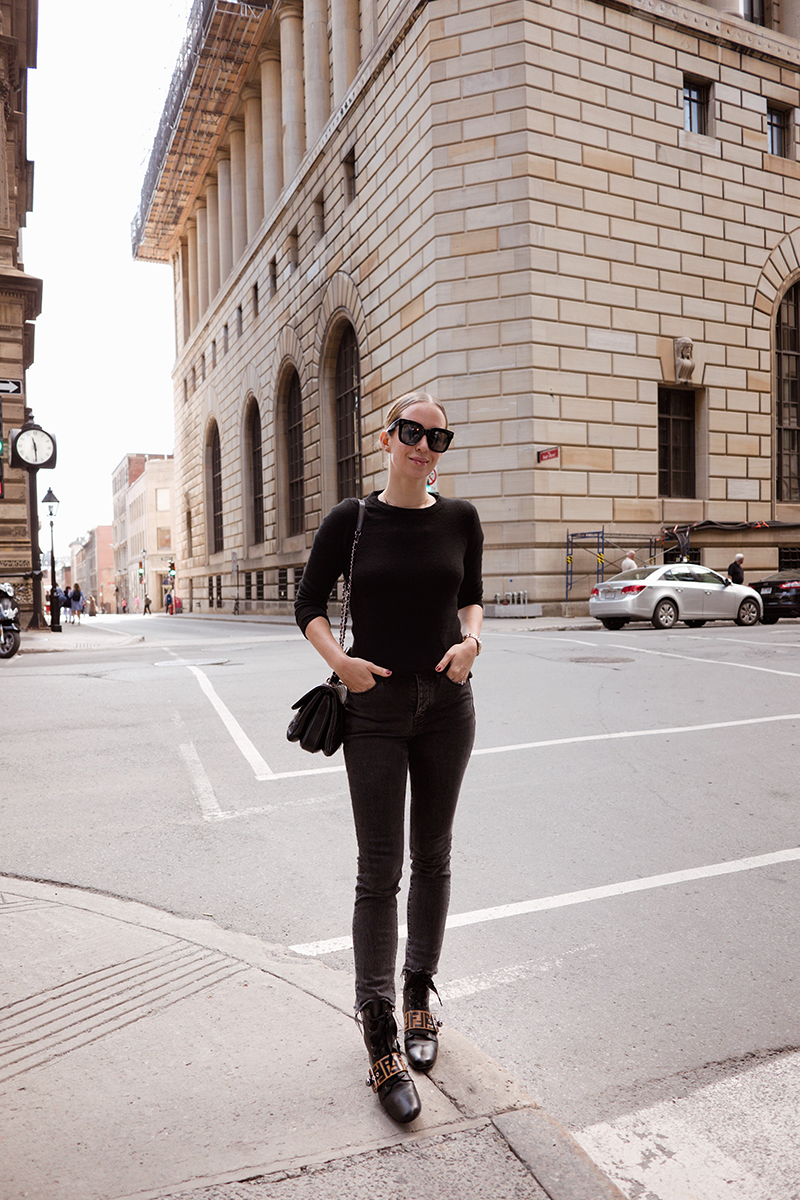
x=143 y=542
x=576 y=222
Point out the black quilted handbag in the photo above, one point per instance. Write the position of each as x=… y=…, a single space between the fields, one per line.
x=319 y=723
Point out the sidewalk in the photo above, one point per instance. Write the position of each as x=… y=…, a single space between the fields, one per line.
x=144 y=1055
x=90 y=634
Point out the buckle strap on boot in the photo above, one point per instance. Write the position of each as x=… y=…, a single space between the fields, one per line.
x=384 y=1069
x=420 y=1021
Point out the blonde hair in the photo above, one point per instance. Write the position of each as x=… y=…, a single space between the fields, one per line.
x=400 y=406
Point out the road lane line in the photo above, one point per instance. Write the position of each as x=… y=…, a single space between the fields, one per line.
x=523 y=908
x=201 y=784
x=459 y=989
x=335 y=801
x=714 y=662
x=260 y=767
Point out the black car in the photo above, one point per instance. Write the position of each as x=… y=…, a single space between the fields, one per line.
x=780 y=595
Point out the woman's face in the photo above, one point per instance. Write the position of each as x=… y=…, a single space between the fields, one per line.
x=414 y=462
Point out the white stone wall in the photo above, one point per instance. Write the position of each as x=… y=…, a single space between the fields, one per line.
x=532 y=230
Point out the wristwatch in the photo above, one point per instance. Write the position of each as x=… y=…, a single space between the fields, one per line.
x=478 y=641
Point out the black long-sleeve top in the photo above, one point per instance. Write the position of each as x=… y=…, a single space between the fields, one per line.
x=414 y=569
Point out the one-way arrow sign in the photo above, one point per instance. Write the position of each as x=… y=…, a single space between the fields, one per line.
x=10 y=387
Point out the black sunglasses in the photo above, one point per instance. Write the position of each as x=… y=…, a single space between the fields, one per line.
x=411 y=432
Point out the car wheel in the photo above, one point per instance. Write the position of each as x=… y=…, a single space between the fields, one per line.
x=769 y=619
x=613 y=622
x=665 y=615
x=694 y=624
x=748 y=613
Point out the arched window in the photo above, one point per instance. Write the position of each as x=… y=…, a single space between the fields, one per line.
x=347 y=405
x=295 y=462
x=787 y=422
x=256 y=472
x=217 y=542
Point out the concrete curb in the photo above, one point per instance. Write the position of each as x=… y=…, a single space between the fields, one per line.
x=58 y=647
x=478 y=1093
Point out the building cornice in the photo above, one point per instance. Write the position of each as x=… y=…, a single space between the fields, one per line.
x=724 y=29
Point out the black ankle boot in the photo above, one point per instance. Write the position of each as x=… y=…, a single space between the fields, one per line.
x=388 y=1077
x=421 y=1028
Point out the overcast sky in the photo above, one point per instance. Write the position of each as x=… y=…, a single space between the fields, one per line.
x=104 y=349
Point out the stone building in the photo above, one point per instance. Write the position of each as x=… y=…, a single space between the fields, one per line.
x=143 y=539
x=20 y=294
x=92 y=566
x=576 y=222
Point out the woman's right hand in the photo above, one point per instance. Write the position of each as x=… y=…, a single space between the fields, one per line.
x=358 y=675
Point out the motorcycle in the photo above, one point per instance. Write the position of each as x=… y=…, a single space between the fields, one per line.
x=9 y=622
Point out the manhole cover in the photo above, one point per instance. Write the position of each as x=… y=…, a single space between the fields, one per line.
x=596 y=658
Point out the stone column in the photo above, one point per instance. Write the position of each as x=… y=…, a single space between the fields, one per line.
x=254 y=160
x=212 y=202
x=183 y=297
x=238 y=189
x=191 y=231
x=346 y=38
x=201 y=216
x=790 y=20
x=315 y=57
x=225 y=219
x=271 y=124
x=294 y=132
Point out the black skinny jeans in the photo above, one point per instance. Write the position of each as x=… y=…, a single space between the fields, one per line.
x=422 y=727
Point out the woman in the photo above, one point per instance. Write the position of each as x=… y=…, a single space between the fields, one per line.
x=75 y=604
x=416 y=608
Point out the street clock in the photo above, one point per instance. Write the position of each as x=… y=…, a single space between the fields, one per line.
x=32 y=448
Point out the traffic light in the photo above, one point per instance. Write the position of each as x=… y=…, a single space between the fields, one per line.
x=141 y=571
x=172 y=569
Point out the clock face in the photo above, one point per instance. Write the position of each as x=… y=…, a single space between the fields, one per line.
x=34 y=446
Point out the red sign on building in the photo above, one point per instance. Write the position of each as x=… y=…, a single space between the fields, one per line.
x=547 y=455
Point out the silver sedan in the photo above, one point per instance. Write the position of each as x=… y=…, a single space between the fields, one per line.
x=674 y=592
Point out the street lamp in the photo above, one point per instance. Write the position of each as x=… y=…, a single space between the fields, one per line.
x=55 y=605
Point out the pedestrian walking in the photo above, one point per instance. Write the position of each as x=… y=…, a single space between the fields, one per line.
x=168 y=602
x=64 y=596
x=136 y=604
x=124 y=606
x=629 y=562
x=416 y=607
x=735 y=571
x=147 y=603
x=92 y=607
x=75 y=605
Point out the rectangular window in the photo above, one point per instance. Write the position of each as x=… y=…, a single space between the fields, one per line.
x=273 y=277
x=185 y=389
x=248 y=585
x=164 y=538
x=214 y=353
x=211 y=591
x=162 y=500
x=676 y=442
x=349 y=177
x=239 y=321
x=292 y=252
x=194 y=380
x=219 y=591
x=224 y=339
x=203 y=367
x=778 y=131
x=789 y=558
x=189 y=550
x=255 y=299
x=696 y=97
x=756 y=11
x=283 y=583
x=259 y=585
x=319 y=218
x=298 y=575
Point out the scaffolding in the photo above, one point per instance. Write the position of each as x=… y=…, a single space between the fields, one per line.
x=603 y=542
x=221 y=40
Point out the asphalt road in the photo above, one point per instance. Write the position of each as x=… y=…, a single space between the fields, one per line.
x=626 y=875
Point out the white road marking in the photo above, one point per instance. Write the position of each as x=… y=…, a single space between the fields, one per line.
x=334 y=801
x=634 y=733
x=459 y=989
x=201 y=784
x=261 y=768
x=714 y=662
x=524 y=907
x=736 y=1139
